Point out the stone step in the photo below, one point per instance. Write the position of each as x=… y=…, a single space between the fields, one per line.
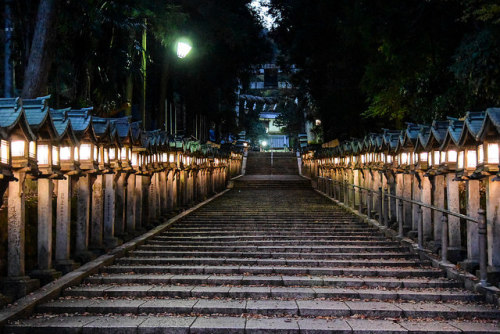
x=273 y=249
x=157 y=251
x=265 y=243
x=280 y=262
x=151 y=266
x=273 y=280
x=271 y=238
x=239 y=325
x=189 y=291
x=270 y=307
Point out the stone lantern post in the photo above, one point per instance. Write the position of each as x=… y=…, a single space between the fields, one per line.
x=16 y=131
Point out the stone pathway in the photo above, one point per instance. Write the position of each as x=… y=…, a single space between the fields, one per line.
x=281 y=259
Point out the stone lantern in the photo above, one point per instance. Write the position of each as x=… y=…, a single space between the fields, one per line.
x=489 y=135
x=70 y=167
x=16 y=162
x=470 y=147
x=81 y=121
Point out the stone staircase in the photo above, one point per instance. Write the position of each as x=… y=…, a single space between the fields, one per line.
x=266 y=259
x=275 y=163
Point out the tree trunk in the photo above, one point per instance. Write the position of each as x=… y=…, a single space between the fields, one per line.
x=40 y=59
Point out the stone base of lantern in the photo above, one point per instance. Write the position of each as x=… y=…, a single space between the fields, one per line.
x=45 y=276
x=66 y=266
x=17 y=287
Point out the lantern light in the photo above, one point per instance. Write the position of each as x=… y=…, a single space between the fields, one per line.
x=424 y=156
x=493 y=153
x=460 y=160
x=32 y=149
x=55 y=155
x=85 y=152
x=452 y=156
x=471 y=162
x=43 y=154
x=65 y=153
x=4 y=151
x=112 y=153
x=76 y=153
x=480 y=154
x=17 y=148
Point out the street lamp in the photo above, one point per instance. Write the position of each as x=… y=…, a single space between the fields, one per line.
x=183 y=48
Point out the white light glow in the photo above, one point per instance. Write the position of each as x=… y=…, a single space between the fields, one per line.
x=424 y=156
x=480 y=154
x=452 y=156
x=112 y=153
x=85 y=151
x=55 y=156
x=183 y=49
x=460 y=160
x=4 y=151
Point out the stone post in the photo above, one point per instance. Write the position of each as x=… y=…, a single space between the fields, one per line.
x=454 y=243
x=416 y=191
x=45 y=273
x=121 y=204
x=145 y=210
x=175 y=189
x=152 y=199
x=170 y=190
x=407 y=207
x=17 y=283
x=357 y=198
x=131 y=205
x=438 y=202
x=163 y=192
x=493 y=227
x=425 y=197
x=109 y=211
x=399 y=193
x=96 y=228
x=391 y=185
x=63 y=225
x=138 y=198
x=473 y=199
x=83 y=217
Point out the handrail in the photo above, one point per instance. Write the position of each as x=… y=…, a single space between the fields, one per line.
x=343 y=194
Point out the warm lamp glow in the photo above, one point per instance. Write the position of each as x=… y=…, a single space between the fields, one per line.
x=435 y=158
x=55 y=155
x=134 y=160
x=460 y=160
x=76 y=155
x=112 y=153
x=452 y=156
x=124 y=153
x=471 y=159
x=424 y=156
x=171 y=158
x=32 y=149
x=404 y=158
x=4 y=152
x=17 y=148
x=480 y=154
x=65 y=153
x=493 y=153
x=85 y=151
x=42 y=155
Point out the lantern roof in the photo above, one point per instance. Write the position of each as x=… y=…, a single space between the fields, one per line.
x=63 y=125
x=123 y=129
x=12 y=116
x=437 y=134
x=391 y=139
x=136 y=130
x=39 y=117
x=410 y=135
x=491 y=124
x=423 y=138
x=81 y=121
x=453 y=133
x=472 y=125
x=102 y=129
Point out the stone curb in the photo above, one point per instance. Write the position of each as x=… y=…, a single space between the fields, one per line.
x=25 y=306
x=470 y=282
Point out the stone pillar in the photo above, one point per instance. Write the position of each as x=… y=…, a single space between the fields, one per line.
x=416 y=191
x=83 y=217
x=438 y=202
x=121 y=204
x=17 y=283
x=131 y=205
x=45 y=273
x=407 y=207
x=473 y=200
x=63 y=225
x=454 y=243
x=145 y=214
x=163 y=192
x=399 y=192
x=391 y=186
x=175 y=189
x=96 y=228
x=357 y=198
x=138 y=198
x=109 y=211
x=152 y=199
x=170 y=190
x=493 y=225
x=425 y=197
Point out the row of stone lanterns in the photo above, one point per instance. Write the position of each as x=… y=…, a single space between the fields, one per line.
x=122 y=178
x=426 y=165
